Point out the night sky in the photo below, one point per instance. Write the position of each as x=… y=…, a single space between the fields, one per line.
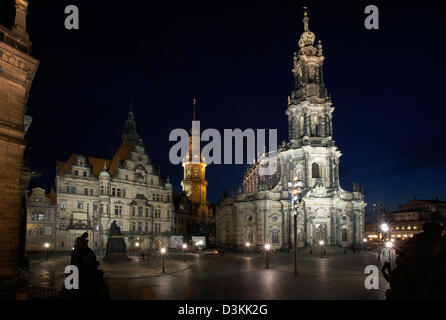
x=387 y=85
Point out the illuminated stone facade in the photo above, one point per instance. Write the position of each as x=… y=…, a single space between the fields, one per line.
x=261 y=211
x=17 y=70
x=93 y=192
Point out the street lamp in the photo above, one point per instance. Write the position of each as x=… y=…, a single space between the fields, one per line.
x=389 y=246
x=295 y=187
x=46 y=245
x=267 y=248
x=184 y=251
x=137 y=249
x=247 y=244
x=321 y=243
x=163 y=253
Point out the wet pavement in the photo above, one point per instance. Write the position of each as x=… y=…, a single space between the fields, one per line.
x=236 y=276
x=233 y=276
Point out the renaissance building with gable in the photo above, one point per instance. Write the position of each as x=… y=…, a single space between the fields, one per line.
x=92 y=192
x=261 y=210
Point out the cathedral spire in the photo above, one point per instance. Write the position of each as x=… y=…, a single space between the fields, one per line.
x=195 y=103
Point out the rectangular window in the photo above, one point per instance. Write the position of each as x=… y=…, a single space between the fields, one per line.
x=85 y=173
x=147 y=212
x=118 y=192
x=133 y=226
x=91 y=192
x=62 y=244
x=74 y=190
x=102 y=190
x=113 y=192
x=63 y=205
x=68 y=189
x=86 y=191
x=157 y=197
x=168 y=198
x=95 y=208
x=153 y=197
x=80 y=205
x=120 y=210
x=161 y=198
x=146 y=227
x=140 y=211
x=140 y=226
x=133 y=211
x=76 y=173
x=62 y=225
x=116 y=210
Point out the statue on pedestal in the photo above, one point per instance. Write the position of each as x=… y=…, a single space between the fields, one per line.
x=116 y=248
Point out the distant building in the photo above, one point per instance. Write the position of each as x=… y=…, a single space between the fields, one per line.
x=407 y=221
x=17 y=71
x=41 y=219
x=411 y=217
x=194 y=215
x=93 y=192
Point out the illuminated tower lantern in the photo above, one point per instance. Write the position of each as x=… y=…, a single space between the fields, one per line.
x=194 y=182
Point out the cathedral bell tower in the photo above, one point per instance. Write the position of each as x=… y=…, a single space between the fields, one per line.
x=309 y=106
x=194 y=182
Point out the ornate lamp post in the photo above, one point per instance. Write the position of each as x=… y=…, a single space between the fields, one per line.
x=163 y=253
x=295 y=188
x=384 y=228
x=247 y=244
x=46 y=246
x=184 y=251
x=321 y=244
x=137 y=249
x=267 y=248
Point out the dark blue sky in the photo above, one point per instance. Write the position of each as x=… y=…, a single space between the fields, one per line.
x=236 y=57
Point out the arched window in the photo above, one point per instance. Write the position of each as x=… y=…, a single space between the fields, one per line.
x=315 y=170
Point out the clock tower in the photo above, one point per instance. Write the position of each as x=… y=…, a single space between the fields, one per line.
x=194 y=183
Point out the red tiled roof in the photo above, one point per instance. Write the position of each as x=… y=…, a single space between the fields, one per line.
x=62 y=167
x=97 y=164
x=53 y=198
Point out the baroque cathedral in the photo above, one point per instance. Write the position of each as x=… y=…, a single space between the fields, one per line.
x=261 y=210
